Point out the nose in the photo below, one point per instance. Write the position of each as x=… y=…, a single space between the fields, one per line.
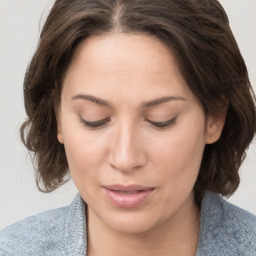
x=126 y=150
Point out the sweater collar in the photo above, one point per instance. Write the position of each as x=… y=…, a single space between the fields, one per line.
x=76 y=228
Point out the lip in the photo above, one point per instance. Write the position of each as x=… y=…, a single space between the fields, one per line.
x=130 y=196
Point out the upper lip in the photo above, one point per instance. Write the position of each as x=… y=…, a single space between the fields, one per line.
x=132 y=187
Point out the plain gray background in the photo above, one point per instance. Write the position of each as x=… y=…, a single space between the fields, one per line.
x=19 y=31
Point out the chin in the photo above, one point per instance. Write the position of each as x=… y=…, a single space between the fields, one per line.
x=132 y=221
x=128 y=227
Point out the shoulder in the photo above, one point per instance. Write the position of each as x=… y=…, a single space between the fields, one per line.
x=225 y=228
x=55 y=232
x=34 y=234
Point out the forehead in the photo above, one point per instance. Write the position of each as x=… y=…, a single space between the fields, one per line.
x=123 y=48
x=125 y=62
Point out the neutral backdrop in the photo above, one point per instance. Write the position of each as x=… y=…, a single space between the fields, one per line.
x=20 y=23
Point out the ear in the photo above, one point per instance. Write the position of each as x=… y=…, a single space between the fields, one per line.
x=59 y=130
x=214 y=127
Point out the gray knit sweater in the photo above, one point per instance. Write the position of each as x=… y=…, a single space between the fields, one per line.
x=225 y=230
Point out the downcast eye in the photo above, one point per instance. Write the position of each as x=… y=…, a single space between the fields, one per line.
x=95 y=124
x=165 y=124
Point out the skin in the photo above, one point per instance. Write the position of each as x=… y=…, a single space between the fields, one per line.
x=128 y=71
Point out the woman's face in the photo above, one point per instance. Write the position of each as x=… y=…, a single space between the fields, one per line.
x=133 y=132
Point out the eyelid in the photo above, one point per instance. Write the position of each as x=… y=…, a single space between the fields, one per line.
x=165 y=124
x=95 y=124
x=103 y=122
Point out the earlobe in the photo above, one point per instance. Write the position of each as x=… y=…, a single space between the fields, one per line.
x=59 y=131
x=60 y=137
x=214 y=127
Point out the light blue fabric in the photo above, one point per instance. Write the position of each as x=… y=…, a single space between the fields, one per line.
x=225 y=230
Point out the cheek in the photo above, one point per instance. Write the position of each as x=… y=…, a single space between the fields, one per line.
x=85 y=161
x=180 y=153
x=178 y=162
x=83 y=156
x=85 y=151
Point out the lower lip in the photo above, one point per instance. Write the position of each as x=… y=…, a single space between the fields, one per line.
x=128 y=200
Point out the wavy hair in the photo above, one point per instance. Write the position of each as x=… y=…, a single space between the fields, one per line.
x=199 y=35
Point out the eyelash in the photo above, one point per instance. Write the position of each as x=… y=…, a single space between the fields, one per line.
x=96 y=124
x=103 y=122
x=163 y=125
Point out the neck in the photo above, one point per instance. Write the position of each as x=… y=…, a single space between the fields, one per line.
x=176 y=236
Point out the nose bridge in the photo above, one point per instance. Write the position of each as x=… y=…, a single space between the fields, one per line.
x=126 y=150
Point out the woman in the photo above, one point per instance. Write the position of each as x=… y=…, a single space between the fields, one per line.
x=147 y=104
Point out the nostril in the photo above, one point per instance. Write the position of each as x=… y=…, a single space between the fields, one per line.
x=127 y=163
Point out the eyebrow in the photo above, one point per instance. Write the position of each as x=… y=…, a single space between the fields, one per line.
x=145 y=104
x=161 y=100
x=92 y=99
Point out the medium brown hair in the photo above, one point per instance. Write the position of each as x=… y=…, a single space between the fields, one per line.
x=196 y=31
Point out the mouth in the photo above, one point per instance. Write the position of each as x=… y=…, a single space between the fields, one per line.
x=131 y=196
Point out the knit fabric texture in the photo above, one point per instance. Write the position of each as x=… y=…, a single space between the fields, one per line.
x=225 y=230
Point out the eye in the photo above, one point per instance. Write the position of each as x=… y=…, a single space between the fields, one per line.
x=163 y=125
x=95 y=124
